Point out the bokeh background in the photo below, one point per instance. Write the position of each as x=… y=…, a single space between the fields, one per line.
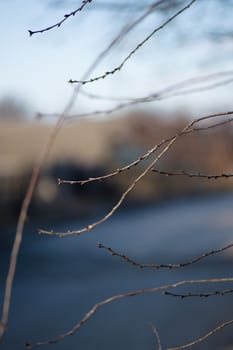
x=165 y=218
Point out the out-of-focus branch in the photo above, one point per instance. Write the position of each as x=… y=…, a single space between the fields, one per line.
x=32 y=184
x=65 y=17
x=164 y=266
x=199 y=175
x=169 y=92
x=156 y=333
x=174 y=90
x=107 y=301
x=204 y=337
x=118 y=68
x=200 y=295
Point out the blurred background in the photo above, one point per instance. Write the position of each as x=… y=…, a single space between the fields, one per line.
x=184 y=71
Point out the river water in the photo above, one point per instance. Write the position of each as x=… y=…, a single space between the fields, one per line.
x=59 y=280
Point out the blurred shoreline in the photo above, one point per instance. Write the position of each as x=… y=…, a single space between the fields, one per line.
x=95 y=148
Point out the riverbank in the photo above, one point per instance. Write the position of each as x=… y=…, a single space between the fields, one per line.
x=59 y=280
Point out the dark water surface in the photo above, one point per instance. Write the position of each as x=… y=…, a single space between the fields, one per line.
x=59 y=280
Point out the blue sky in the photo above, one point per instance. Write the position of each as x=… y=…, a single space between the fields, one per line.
x=36 y=69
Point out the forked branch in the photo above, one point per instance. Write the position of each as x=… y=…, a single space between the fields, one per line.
x=189 y=128
x=107 y=301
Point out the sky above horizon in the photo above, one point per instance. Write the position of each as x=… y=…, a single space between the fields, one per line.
x=36 y=69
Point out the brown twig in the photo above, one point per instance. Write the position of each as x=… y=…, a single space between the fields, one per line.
x=107 y=301
x=164 y=266
x=65 y=17
x=204 y=337
x=118 y=68
x=117 y=205
x=199 y=175
x=156 y=333
x=200 y=295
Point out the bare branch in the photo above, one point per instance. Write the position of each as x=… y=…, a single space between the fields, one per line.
x=141 y=158
x=199 y=175
x=207 y=335
x=188 y=128
x=200 y=295
x=122 y=198
x=118 y=68
x=174 y=90
x=65 y=17
x=31 y=187
x=156 y=333
x=164 y=266
x=171 y=91
x=107 y=301
x=166 y=93
x=118 y=170
x=20 y=227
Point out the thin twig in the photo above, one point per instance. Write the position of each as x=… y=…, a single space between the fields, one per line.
x=204 y=337
x=118 y=68
x=200 y=295
x=199 y=175
x=65 y=17
x=163 y=266
x=107 y=301
x=156 y=333
x=174 y=90
x=171 y=91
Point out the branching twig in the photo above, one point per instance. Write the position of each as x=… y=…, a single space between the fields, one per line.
x=199 y=175
x=141 y=158
x=164 y=266
x=118 y=68
x=118 y=204
x=118 y=170
x=65 y=17
x=188 y=128
x=207 y=335
x=156 y=333
x=107 y=301
x=200 y=295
